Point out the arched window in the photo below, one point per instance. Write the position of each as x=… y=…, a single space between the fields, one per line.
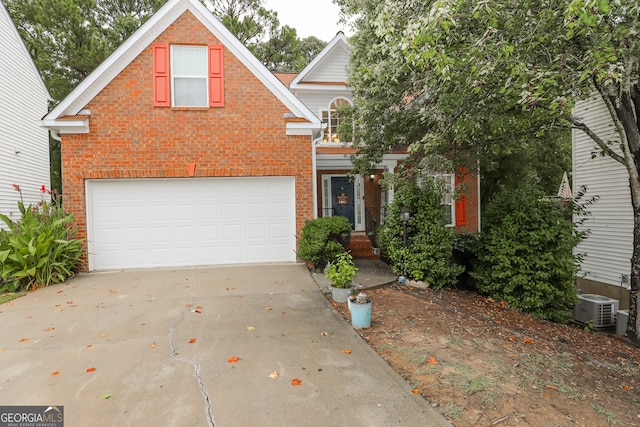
x=332 y=119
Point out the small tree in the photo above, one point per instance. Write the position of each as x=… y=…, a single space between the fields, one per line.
x=526 y=253
x=428 y=253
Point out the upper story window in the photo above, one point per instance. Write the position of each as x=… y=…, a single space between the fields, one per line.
x=332 y=119
x=188 y=76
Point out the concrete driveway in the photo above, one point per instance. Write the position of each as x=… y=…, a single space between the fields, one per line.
x=161 y=340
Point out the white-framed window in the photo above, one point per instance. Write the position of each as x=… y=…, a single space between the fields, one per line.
x=332 y=120
x=448 y=200
x=189 y=73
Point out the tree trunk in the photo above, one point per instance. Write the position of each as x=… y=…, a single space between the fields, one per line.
x=633 y=325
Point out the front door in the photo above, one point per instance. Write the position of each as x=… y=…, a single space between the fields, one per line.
x=342 y=198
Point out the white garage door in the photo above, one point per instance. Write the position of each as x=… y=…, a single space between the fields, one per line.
x=141 y=223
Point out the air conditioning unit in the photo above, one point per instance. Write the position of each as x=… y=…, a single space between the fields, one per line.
x=596 y=310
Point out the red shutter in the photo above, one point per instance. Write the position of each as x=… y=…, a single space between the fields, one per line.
x=161 y=75
x=461 y=202
x=216 y=76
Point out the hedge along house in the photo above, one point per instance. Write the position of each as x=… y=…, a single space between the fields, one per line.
x=322 y=87
x=181 y=149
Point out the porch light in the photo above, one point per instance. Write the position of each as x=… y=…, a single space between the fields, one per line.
x=404 y=214
x=372 y=176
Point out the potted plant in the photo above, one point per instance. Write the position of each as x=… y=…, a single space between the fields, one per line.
x=341 y=273
x=360 y=307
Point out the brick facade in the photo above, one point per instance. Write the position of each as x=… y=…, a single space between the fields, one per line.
x=130 y=138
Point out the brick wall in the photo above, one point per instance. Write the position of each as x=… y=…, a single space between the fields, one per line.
x=472 y=201
x=130 y=138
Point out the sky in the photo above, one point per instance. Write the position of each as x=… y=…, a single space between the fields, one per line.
x=309 y=17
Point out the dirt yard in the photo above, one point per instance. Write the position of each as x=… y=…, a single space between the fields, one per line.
x=482 y=364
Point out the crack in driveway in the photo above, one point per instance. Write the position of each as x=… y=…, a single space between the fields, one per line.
x=196 y=367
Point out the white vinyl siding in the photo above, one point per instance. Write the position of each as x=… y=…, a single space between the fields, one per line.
x=143 y=223
x=333 y=69
x=24 y=145
x=609 y=245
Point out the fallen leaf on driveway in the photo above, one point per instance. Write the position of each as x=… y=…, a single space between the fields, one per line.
x=105 y=396
x=433 y=361
x=192 y=340
x=153 y=345
x=48 y=329
x=324 y=333
x=250 y=328
x=233 y=359
x=415 y=391
x=91 y=369
x=24 y=339
x=55 y=373
x=274 y=374
x=347 y=351
x=269 y=308
x=296 y=381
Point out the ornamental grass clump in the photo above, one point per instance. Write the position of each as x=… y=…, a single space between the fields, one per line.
x=39 y=248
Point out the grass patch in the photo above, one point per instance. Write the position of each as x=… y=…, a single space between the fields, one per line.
x=10 y=296
x=609 y=416
x=452 y=412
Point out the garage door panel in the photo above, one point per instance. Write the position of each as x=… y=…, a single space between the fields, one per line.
x=137 y=223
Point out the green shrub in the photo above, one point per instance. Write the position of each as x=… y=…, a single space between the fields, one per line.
x=526 y=253
x=320 y=241
x=428 y=254
x=341 y=270
x=465 y=253
x=39 y=248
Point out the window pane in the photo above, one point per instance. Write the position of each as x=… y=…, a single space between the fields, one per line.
x=189 y=61
x=190 y=92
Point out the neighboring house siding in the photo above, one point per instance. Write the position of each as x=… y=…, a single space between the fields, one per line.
x=333 y=69
x=130 y=138
x=319 y=101
x=24 y=145
x=609 y=245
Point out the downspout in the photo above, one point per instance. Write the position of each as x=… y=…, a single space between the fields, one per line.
x=478 y=196
x=315 y=175
x=55 y=135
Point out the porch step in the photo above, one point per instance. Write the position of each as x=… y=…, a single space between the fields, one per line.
x=361 y=247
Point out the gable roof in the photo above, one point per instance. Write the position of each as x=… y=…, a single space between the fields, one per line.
x=4 y=13
x=335 y=54
x=67 y=116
